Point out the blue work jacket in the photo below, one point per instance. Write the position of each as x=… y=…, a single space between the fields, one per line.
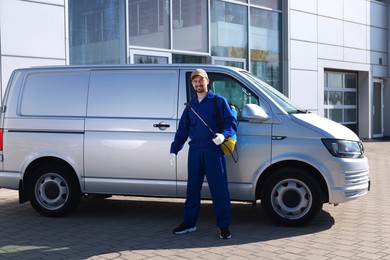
x=190 y=126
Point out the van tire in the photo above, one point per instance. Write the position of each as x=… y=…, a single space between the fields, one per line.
x=291 y=197
x=54 y=191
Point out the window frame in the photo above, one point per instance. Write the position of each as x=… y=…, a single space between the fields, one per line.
x=212 y=76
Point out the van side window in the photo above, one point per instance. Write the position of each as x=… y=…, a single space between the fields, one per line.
x=133 y=93
x=55 y=94
x=224 y=85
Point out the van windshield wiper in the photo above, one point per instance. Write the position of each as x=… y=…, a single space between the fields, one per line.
x=299 y=111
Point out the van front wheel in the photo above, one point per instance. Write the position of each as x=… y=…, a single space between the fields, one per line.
x=53 y=191
x=291 y=197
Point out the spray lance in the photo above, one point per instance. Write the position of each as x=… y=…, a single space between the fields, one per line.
x=208 y=127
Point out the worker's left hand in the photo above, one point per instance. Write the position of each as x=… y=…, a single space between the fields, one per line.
x=218 y=139
x=172 y=159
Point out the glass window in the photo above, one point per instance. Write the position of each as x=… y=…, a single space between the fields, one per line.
x=335 y=97
x=149 y=23
x=125 y=98
x=55 y=94
x=350 y=98
x=189 y=22
x=180 y=58
x=97 y=32
x=227 y=87
x=340 y=98
x=276 y=95
x=274 y=4
x=148 y=59
x=350 y=81
x=336 y=115
x=231 y=63
x=326 y=97
x=334 y=80
x=229 y=37
x=350 y=115
x=266 y=46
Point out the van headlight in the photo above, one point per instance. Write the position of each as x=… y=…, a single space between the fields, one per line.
x=344 y=148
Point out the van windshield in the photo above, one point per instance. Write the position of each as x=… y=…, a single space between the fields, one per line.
x=279 y=98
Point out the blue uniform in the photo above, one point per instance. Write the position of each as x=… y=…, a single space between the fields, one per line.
x=205 y=157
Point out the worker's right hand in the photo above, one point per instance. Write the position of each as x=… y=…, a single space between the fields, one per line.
x=172 y=159
x=218 y=139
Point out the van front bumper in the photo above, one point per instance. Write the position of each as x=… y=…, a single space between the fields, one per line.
x=351 y=185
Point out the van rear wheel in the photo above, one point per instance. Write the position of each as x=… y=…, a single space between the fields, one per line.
x=291 y=197
x=53 y=191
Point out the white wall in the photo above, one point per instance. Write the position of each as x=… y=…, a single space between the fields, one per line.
x=336 y=34
x=32 y=33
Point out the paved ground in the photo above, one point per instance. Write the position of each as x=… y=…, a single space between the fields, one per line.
x=127 y=228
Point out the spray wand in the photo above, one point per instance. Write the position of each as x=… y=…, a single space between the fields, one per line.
x=188 y=106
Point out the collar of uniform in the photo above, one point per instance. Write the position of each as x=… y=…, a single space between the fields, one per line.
x=210 y=94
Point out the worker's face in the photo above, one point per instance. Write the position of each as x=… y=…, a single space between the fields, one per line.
x=200 y=84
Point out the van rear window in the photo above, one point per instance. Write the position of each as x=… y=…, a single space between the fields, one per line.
x=54 y=94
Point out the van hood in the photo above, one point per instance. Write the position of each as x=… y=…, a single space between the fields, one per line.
x=324 y=126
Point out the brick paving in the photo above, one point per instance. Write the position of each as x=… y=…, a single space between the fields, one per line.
x=140 y=228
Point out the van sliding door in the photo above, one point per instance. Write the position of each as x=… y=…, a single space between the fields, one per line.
x=129 y=127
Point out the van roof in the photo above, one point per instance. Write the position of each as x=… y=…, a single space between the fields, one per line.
x=133 y=66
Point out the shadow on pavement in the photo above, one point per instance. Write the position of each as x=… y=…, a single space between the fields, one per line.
x=121 y=224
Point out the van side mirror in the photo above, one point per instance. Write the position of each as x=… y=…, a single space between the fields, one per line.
x=253 y=112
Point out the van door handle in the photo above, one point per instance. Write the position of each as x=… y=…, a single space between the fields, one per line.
x=162 y=125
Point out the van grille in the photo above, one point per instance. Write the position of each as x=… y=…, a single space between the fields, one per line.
x=356 y=178
x=351 y=194
x=359 y=179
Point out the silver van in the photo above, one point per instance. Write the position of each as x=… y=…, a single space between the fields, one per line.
x=75 y=130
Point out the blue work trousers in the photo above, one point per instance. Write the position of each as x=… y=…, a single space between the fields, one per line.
x=213 y=165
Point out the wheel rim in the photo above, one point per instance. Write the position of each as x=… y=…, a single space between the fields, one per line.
x=291 y=199
x=51 y=191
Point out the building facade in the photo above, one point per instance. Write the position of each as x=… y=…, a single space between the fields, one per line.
x=328 y=56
